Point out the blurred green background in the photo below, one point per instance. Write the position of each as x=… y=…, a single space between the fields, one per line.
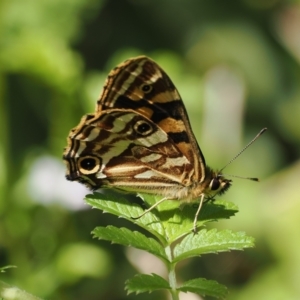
x=236 y=66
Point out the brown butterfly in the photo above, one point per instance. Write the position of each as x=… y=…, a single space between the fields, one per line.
x=140 y=140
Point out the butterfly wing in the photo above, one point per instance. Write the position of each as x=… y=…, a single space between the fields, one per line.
x=141 y=85
x=127 y=150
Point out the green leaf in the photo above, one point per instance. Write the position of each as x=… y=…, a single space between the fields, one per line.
x=127 y=237
x=202 y=287
x=177 y=218
x=142 y=283
x=168 y=221
x=118 y=205
x=211 y=241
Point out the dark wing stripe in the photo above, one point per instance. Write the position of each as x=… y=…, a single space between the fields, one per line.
x=179 y=137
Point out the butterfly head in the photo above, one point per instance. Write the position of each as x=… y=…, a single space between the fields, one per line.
x=218 y=185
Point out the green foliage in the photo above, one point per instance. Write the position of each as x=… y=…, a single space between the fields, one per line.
x=3 y=269
x=236 y=67
x=172 y=239
x=8 y=292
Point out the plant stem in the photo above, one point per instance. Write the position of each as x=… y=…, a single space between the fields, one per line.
x=172 y=275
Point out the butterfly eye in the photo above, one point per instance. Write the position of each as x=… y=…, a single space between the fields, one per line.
x=214 y=184
x=146 y=88
x=89 y=164
x=142 y=127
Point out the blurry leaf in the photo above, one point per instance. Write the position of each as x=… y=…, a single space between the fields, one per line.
x=241 y=45
x=8 y=292
x=78 y=260
x=3 y=269
x=142 y=283
x=204 y=287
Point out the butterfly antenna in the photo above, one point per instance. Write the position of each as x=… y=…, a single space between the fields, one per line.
x=249 y=144
x=241 y=177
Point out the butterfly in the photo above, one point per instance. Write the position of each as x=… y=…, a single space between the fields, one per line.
x=139 y=139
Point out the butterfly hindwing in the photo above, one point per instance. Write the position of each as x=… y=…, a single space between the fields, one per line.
x=130 y=151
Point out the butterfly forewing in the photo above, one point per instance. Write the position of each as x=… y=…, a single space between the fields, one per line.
x=140 y=84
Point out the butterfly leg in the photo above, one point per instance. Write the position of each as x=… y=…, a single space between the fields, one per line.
x=197 y=214
x=150 y=208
